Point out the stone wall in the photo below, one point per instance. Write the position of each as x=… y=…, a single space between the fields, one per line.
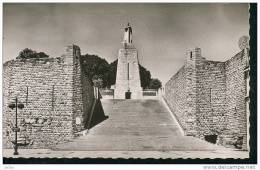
x=211 y=98
x=176 y=97
x=208 y=97
x=237 y=97
x=56 y=95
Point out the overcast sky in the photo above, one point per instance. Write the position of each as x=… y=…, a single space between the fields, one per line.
x=161 y=32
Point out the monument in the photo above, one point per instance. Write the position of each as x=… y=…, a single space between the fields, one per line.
x=128 y=85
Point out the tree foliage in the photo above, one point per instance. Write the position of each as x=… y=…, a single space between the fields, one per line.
x=145 y=77
x=28 y=53
x=155 y=84
x=96 y=68
x=112 y=72
x=97 y=81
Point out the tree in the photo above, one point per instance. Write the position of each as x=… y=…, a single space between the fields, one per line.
x=97 y=81
x=28 y=53
x=145 y=76
x=96 y=68
x=155 y=84
x=42 y=55
x=112 y=73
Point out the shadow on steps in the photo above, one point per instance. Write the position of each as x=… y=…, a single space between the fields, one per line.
x=98 y=115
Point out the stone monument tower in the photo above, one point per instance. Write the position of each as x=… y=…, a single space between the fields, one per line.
x=128 y=85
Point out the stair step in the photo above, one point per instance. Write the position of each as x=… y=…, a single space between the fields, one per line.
x=135 y=125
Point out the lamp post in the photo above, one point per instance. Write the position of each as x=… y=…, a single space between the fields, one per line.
x=16 y=129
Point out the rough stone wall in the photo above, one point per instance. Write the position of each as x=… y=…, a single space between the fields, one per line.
x=52 y=93
x=83 y=93
x=175 y=96
x=236 y=113
x=128 y=58
x=87 y=97
x=193 y=60
x=209 y=97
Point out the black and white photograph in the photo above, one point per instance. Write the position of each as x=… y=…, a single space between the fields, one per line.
x=127 y=80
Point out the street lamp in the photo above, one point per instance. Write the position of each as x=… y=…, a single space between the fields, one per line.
x=16 y=129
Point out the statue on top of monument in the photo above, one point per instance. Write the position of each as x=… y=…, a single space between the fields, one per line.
x=128 y=35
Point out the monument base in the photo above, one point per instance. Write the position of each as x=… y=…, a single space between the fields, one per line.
x=125 y=94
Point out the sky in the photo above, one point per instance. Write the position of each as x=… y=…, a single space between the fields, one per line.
x=161 y=32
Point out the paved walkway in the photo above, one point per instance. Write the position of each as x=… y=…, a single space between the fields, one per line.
x=136 y=125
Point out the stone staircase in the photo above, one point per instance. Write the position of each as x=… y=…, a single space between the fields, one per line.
x=136 y=125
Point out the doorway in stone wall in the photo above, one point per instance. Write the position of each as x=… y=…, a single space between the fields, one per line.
x=211 y=138
x=128 y=95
